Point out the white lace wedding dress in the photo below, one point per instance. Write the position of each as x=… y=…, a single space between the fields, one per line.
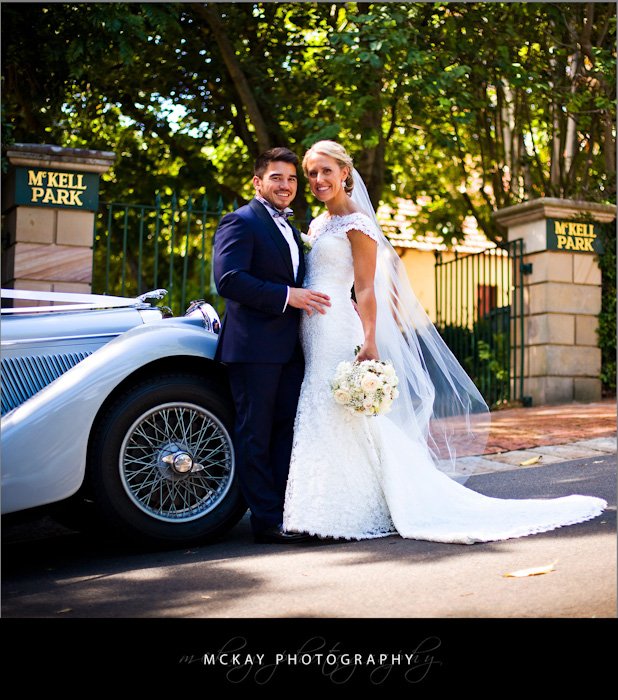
x=358 y=477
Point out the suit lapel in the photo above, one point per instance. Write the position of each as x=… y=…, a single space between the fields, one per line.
x=271 y=227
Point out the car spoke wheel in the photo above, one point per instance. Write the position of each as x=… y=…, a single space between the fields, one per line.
x=176 y=462
x=161 y=466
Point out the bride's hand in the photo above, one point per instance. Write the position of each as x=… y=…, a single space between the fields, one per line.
x=369 y=351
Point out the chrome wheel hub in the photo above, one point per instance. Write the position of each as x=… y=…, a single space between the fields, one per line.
x=176 y=462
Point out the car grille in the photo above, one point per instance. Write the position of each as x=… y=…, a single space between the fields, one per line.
x=23 y=377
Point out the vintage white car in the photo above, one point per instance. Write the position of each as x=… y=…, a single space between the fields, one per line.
x=116 y=409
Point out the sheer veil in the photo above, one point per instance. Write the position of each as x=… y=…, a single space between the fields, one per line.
x=438 y=402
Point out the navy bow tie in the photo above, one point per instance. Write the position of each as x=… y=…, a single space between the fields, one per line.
x=286 y=213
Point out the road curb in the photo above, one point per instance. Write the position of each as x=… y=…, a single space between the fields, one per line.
x=542 y=455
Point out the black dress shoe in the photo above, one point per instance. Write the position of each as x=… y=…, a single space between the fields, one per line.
x=277 y=535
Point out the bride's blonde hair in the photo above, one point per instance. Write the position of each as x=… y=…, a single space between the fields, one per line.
x=336 y=151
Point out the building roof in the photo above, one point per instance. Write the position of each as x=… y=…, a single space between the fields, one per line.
x=398 y=225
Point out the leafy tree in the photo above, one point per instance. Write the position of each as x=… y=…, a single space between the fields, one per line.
x=466 y=107
x=474 y=106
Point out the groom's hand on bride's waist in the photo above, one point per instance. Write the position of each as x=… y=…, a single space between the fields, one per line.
x=308 y=300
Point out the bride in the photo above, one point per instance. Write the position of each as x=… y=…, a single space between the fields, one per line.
x=358 y=477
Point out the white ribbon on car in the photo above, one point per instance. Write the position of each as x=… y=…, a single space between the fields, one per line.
x=75 y=301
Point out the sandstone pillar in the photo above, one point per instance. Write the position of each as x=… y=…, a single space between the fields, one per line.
x=49 y=202
x=562 y=295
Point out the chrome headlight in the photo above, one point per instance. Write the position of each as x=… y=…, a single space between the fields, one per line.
x=206 y=313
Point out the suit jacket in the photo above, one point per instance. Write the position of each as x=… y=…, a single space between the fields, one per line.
x=252 y=270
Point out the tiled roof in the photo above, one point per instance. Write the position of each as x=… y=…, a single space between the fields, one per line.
x=398 y=225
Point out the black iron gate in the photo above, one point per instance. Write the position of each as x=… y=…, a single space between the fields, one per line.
x=479 y=313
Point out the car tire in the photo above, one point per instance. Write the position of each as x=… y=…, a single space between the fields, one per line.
x=161 y=463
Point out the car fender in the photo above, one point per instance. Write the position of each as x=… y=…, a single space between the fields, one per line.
x=45 y=439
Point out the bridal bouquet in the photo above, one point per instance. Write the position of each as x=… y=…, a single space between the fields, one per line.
x=368 y=387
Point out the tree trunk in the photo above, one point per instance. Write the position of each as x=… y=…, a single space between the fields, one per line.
x=554 y=110
x=609 y=145
x=554 y=170
x=570 y=146
x=237 y=74
x=609 y=140
x=371 y=162
x=509 y=138
x=13 y=85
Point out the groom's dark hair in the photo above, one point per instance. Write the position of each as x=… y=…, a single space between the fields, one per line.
x=272 y=155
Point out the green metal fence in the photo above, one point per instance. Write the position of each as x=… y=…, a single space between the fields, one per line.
x=138 y=247
x=479 y=313
x=168 y=244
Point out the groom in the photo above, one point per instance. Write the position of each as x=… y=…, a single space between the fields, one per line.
x=259 y=269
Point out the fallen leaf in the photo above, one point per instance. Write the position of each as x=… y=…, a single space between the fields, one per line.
x=64 y=610
x=532 y=460
x=533 y=571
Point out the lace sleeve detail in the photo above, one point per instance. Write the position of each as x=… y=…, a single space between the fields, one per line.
x=361 y=222
x=341 y=225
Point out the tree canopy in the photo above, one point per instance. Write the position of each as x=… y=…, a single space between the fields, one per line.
x=469 y=107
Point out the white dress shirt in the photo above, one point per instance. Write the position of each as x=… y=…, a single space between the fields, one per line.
x=288 y=234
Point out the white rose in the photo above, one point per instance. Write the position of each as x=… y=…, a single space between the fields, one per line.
x=342 y=396
x=370 y=382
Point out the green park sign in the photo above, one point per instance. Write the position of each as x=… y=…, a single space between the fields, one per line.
x=574 y=236
x=38 y=187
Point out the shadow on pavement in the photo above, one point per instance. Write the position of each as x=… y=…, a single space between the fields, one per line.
x=49 y=571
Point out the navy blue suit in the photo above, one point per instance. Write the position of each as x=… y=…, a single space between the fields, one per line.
x=259 y=343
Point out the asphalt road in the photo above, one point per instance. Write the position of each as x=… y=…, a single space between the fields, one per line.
x=238 y=589
x=49 y=572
